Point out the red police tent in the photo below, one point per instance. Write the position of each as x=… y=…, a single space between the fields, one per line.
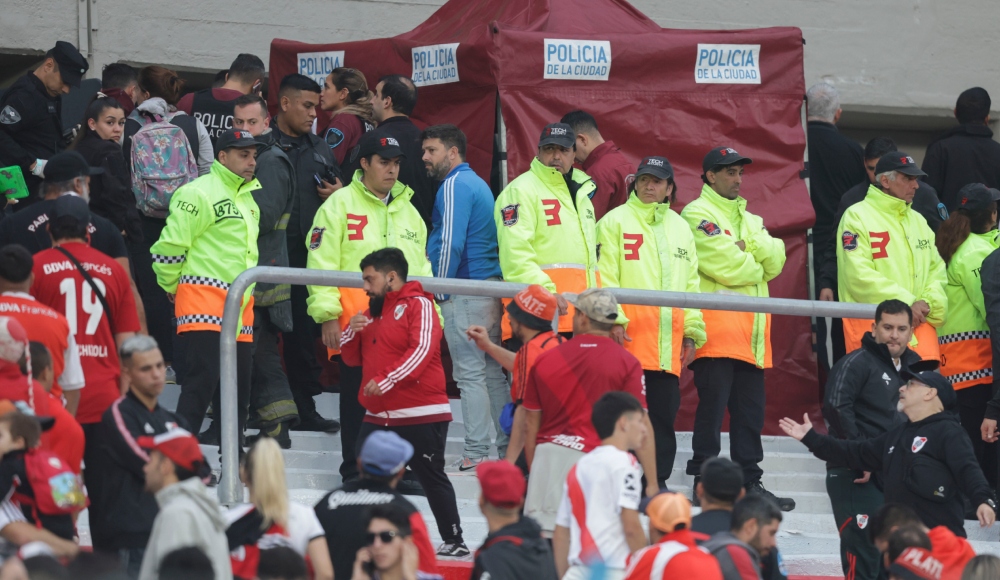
x=654 y=91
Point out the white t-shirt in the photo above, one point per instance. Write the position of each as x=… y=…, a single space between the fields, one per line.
x=303 y=525
x=598 y=487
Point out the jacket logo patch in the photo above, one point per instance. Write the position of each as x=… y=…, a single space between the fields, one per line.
x=187 y=207
x=862 y=520
x=509 y=214
x=918 y=443
x=879 y=241
x=398 y=312
x=885 y=377
x=708 y=228
x=10 y=116
x=682 y=254
x=357 y=230
x=552 y=207
x=850 y=240
x=148 y=429
x=632 y=244
x=409 y=235
x=333 y=137
x=316 y=238
x=225 y=210
x=923 y=244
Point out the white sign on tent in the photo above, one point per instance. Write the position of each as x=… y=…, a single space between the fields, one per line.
x=318 y=65
x=578 y=60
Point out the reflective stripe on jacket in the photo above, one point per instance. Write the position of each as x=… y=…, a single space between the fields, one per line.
x=966 y=357
x=546 y=236
x=887 y=251
x=717 y=224
x=649 y=247
x=210 y=239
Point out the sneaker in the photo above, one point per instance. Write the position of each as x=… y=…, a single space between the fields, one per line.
x=210 y=436
x=786 y=504
x=454 y=549
x=318 y=423
x=695 y=502
x=279 y=433
x=463 y=463
x=171 y=376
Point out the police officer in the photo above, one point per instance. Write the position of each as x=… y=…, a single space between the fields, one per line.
x=646 y=245
x=925 y=462
x=30 y=122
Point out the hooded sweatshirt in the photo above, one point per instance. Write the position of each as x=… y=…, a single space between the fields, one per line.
x=953 y=552
x=189 y=516
x=514 y=552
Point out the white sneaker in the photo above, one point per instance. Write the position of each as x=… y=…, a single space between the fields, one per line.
x=463 y=463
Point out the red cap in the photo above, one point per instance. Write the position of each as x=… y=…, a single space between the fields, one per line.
x=537 y=301
x=503 y=484
x=178 y=445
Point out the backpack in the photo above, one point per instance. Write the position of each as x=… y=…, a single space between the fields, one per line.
x=57 y=490
x=163 y=159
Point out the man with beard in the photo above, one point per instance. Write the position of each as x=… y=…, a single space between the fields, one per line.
x=463 y=244
x=404 y=386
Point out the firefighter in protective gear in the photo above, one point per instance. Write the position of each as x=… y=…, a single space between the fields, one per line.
x=735 y=255
x=545 y=223
x=887 y=251
x=646 y=245
x=210 y=239
x=371 y=213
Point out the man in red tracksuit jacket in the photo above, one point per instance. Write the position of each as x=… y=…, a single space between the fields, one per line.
x=397 y=342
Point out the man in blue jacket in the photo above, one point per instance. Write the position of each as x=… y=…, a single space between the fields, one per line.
x=463 y=244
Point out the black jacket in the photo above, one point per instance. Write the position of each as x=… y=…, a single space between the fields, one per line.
x=923 y=465
x=515 y=552
x=925 y=202
x=310 y=156
x=30 y=129
x=111 y=194
x=411 y=168
x=274 y=199
x=121 y=511
x=962 y=155
x=712 y=522
x=990 y=276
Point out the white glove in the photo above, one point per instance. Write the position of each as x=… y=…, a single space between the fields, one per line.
x=39 y=170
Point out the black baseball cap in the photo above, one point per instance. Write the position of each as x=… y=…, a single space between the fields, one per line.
x=67 y=166
x=724 y=156
x=381 y=143
x=976 y=196
x=557 y=134
x=72 y=64
x=70 y=205
x=655 y=166
x=934 y=380
x=898 y=161
x=231 y=138
x=722 y=479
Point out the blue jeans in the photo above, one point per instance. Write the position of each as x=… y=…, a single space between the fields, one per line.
x=131 y=561
x=480 y=378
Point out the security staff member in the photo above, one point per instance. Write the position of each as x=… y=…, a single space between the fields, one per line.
x=646 y=245
x=860 y=403
x=735 y=255
x=30 y=122
x=371 y=213
x=210 y=239
x=545 y=223
x=924 y=462
x=886 y=250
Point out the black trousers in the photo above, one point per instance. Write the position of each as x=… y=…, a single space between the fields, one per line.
x=270 y=394
x=299 y=346
x=971 y=411
x=428 y=442
x=159 y=310
x=854 y=505
x=94 y=457
x=663 y=399
x=725 y=383
x=352 y=416
x=201 y=361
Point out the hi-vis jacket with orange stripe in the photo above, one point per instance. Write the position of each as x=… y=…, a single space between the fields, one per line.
x=966 y=356
x=546 y=236
x=887 y=251
x=210 y=239
x=649 y=247
x=717 y=224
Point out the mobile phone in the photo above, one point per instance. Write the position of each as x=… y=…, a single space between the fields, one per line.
x=369 y=568
x=319 y=180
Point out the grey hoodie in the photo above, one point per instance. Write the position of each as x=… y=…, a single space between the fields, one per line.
x=189 y=516
x=206 y=154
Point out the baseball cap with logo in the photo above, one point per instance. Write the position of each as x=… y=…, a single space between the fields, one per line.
x=379 y=142
x=502 y=484
x=596 y=303
x=72 y=64
x=976 y=197
x=668 y=510
x=922 y=374
x=916 y=563
x=385 y=453
x=234 y=138
x=898 y=161
x=655 y=166
x=723 y=156
x=559 y=134
x=179 y=446
x=534 y=307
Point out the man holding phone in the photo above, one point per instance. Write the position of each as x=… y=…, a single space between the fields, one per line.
x=389 y=550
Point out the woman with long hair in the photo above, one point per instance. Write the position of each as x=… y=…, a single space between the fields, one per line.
x=964 y=240
x=271 y=519
x=162 y=88
x=346 y=96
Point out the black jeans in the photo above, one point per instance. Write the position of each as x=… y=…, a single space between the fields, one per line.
x=739 y=386
x=428 y=440
x=971 y=411
x=159 y=310
x=352 y=415
x=299 y=346
x=270 y=394
x=663 y=399
x=201 y=354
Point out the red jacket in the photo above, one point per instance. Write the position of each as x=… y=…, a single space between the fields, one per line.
x=953 y=552
x=676 y=555
x=613 y=175
x=401 y=351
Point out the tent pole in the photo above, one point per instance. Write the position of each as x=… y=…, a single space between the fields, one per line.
x=502 y=129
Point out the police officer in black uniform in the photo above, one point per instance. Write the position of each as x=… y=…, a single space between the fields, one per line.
x=30 y=124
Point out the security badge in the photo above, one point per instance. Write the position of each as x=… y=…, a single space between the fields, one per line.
x=316 y=238
x=334 y=137
x=509 y=214
x=709 y=228
x=10 y=116
x=850 y=240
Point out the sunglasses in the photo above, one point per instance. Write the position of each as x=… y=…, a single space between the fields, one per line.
x=385 y=537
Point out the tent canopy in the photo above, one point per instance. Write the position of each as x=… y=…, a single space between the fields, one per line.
x=653 y=91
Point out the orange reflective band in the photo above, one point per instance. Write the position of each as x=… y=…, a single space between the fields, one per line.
x=730 y=335
x=573 y=278
x=927 y=340
x=966 y=362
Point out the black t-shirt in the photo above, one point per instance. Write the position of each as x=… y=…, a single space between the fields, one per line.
x=27 y=228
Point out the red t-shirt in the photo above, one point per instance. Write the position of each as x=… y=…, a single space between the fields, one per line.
x=525 y=359
x=61 y=286
x=566 y=381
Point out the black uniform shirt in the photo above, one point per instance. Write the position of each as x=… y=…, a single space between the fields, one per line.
x=28 y=228
x=30 y=129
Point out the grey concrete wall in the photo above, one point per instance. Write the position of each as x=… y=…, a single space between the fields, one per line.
x=914 y=55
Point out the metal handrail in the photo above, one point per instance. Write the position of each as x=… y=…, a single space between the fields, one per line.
x=230 y=491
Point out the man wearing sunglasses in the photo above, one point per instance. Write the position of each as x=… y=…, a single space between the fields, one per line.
x=389 y=552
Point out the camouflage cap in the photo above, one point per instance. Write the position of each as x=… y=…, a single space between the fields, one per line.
x=595 y=303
